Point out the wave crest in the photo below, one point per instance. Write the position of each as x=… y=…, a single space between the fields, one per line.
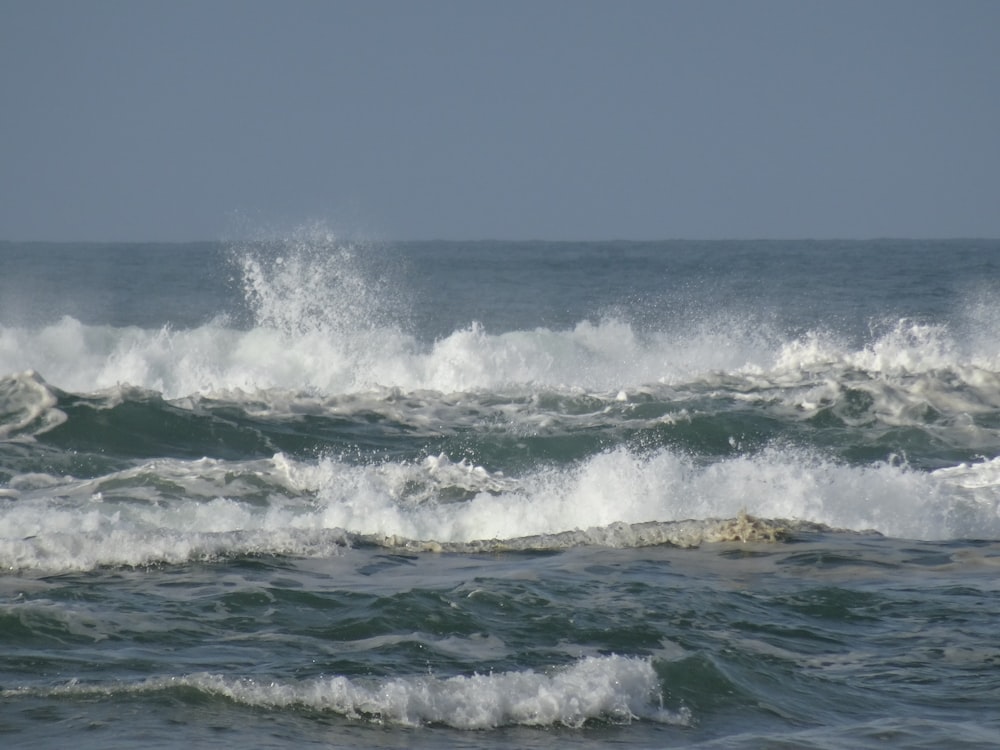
x=614 y=689
x=174 y=511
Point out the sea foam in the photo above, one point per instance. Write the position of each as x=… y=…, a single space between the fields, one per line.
x=321 y=318
x=216 y=360
x=325 y=337
x=613 y=689
x=174 y=511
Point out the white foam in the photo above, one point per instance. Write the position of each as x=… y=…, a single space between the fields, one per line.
x=161 y=512
x=977 y=476
x=175 y=511
x=324 y=323
x=610 y=688
x=903 y=372
x=27 y=406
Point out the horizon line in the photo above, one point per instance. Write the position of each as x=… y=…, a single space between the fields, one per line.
x=349 y=237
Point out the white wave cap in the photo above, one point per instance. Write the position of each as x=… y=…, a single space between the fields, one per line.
x=324 y=320
x=173 y=511
x=614 y=689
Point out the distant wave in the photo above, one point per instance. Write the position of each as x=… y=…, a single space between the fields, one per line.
x=602 y=359
x=322 y=421
x=320 y=320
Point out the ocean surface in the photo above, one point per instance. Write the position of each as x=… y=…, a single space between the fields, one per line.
x=308 y=492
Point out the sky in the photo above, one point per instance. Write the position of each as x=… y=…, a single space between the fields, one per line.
x=177 y=120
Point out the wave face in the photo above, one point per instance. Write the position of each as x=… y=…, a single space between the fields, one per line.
x=622 y=488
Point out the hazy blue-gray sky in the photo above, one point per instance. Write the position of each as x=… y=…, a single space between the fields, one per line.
x=556 y=119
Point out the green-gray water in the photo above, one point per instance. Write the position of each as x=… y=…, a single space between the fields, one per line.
x=308 y=493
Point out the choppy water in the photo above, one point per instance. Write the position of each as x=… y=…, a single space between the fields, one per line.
x=316 y=493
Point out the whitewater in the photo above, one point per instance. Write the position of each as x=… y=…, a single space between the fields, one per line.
x=635 y=492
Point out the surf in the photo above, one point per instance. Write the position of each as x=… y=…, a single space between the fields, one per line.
x=173 y=512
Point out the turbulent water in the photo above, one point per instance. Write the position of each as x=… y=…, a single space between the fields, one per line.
x=307 y=492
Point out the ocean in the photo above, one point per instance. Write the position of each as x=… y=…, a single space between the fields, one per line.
x=308 y=491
